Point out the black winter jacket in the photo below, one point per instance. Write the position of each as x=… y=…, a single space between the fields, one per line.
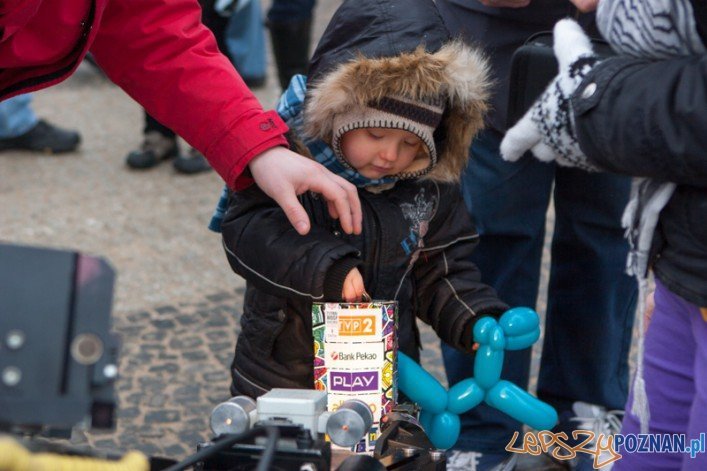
x=649 y=118
x=415 y=248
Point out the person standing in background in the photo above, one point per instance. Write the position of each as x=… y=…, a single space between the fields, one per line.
x=644 y=113
x=21 y=129
x=159 y=142
x=290 y=26
x=591 y=302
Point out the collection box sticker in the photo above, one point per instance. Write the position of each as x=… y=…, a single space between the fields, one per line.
x=334 y=401
x=354 y=381
x=352 y=325
x=352 y=356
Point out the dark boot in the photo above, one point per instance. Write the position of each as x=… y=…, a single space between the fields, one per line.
x=43 y=137
x=290 y=44
x=155 y=148
x=195 y=162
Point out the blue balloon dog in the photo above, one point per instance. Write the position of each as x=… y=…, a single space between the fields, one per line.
x=517 y=328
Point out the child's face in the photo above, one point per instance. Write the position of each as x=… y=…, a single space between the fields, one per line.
x=379 y=152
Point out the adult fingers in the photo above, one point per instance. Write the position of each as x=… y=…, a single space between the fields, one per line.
x=354 y=204
x=286 y=198
x=343 y=196
x=332 y=210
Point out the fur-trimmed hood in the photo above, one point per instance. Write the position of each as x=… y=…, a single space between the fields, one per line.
x=375 y=48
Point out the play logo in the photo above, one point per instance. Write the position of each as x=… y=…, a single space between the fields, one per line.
x=354 y=381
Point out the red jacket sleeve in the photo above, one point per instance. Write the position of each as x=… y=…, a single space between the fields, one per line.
x=161 y=54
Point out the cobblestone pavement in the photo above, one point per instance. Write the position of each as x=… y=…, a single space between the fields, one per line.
x=174 y=369
x=177 y=304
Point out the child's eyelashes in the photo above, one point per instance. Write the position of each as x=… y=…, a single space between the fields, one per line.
x=378 y=136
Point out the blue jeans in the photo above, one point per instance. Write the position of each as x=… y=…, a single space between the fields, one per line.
x=591 y=301
x=245 y=41
x=16 y=116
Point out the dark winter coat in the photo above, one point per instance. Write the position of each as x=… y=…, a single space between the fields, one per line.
x=417 y=236
x=649 y=118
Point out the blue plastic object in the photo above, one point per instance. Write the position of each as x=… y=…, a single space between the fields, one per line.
x=464 y=396
x=444 y=429
x=517 y=328
x=420 y=386
x=516 y=402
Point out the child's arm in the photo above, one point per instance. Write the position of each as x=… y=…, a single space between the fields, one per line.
x=451 y=296
x=264 y=248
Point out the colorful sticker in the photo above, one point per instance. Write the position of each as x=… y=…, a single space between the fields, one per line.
x=355 y=348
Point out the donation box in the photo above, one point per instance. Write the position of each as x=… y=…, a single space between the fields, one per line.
x=355 y=348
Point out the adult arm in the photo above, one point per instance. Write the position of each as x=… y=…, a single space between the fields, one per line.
x=450 y=293
x=263 y=248
x=646 y=118
x=161 y=54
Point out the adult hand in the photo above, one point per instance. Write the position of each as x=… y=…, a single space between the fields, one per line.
x=585 y=6
x=283 y=174
x=546 y=129
x=505 y=3
x=353 y=287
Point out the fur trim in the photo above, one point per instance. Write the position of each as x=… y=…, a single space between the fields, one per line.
x=456 y=71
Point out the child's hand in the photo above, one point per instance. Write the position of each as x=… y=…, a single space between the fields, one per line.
x=353 y=287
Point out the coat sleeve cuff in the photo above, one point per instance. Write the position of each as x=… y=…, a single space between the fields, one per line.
x=466 y=340
x=335 y=277
x=230 y=155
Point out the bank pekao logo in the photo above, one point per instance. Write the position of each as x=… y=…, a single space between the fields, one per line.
x=354 y=356
x=354 y=381
x=357 y=325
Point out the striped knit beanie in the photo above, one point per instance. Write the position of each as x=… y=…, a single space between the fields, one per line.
x=420 y=117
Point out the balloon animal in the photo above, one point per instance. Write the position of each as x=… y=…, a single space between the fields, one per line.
x=517 y=328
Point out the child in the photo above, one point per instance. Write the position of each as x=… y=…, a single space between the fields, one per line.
x=392 y=105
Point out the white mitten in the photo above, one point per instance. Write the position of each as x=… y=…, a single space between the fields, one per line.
x=547 y=129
